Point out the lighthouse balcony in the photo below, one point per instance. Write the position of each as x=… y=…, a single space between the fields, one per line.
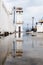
x=19 y=22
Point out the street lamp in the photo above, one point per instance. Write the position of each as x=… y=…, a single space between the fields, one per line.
x=32 y=23
x=14 y=11
x=14 y=15
x=14 y=19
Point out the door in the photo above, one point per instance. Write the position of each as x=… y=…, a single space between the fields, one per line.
x=19 y=31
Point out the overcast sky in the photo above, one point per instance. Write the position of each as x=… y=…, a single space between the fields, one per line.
x=30 y=7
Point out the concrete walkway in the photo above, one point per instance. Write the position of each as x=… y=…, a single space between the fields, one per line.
x=23 y=61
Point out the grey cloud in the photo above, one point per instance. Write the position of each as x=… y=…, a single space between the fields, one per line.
x=36 y=2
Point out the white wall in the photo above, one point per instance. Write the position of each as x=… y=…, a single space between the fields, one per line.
x=6 y=21
x=19 y=21
x=19 y=17
x=40 y=28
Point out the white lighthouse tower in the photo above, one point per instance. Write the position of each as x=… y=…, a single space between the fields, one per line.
x=19 y=21
x=19 y=31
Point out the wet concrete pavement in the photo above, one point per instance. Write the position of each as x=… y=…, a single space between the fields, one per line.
x=5 y=48
x=23 y=61
x=32 y=47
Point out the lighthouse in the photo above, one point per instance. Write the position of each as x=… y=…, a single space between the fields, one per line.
x=19 y=31
x=19 y=21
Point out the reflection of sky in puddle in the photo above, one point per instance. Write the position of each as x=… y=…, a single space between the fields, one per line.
x=29 y=46
x=17 y=45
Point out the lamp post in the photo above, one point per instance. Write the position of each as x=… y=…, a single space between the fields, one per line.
x=14 y=19
x=14 y=15
x=32 y=23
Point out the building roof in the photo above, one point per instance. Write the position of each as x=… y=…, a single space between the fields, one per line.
x=19 y=9
x=41 y=21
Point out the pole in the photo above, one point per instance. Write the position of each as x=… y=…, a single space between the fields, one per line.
x=14 y=16
x=32 y=23
x=14 y=21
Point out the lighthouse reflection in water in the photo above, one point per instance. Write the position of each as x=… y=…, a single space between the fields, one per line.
x=18 y=45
